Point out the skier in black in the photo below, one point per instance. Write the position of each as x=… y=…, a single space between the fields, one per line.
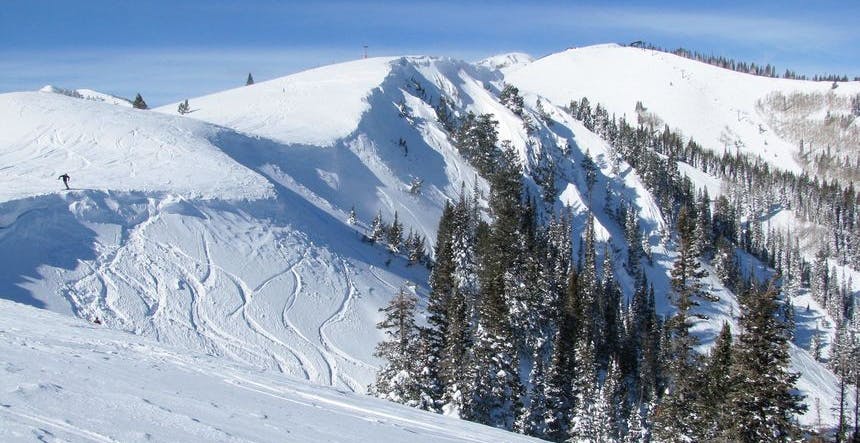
x=65 y=178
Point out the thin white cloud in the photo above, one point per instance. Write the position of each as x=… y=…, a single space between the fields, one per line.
x=730 y=27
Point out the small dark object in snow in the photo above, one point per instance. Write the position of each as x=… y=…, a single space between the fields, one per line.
x=65 y=178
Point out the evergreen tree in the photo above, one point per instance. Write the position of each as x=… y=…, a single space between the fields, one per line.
x=458 y=364
x=719 y=379
x=634 y=241
x=476 y=140
x=584 y=427
x=611 y=404
x=510 y=97
x=395 y=234
x=678 y=416
x=687 y=271
x=377 y=228
x=725 y=263
x=139 y=103
x=559 y=390
x=351 y=218
x=447 y=355
x=637 y=431
x=415 y=248
x=398 y=379
x=183 y=108
x=445 y=114
x=610 y=306
x=703 y=231
x=497 y=386
x=763 y=403
x=250 y=80
x=531 y=420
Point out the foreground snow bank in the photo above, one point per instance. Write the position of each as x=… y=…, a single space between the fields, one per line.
x=63 y=379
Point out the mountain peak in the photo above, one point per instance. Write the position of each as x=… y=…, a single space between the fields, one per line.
x=507 y=62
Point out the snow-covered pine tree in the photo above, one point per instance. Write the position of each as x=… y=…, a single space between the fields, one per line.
x=637 y=431
x=687 y=272
x=593 y=315
x=445 y=114
x=377 y=228
x=394 y=235
x=531 y=421
x=763 y=405
x=559 y=390
x=476 y=140
x=726 y=263
x=634 y=241
x=612 y=403
x=398 y=380
x=351 y=218
x=816 y=344
x=139 y=103
x=610 y=305
x=439 y=307
x=415 y=248
x=819 y=276
x=458 y=364
x=590 y=169
x=703 y=231
x=542 y=113
x=510 y=97
x=497 y=386
x=650 y=366
x=183 y=108
x=678 y=415
x=583 y=427
x=719 y=381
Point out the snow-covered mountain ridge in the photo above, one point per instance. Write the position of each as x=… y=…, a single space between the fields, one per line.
x=224 y=231
x=719 y=108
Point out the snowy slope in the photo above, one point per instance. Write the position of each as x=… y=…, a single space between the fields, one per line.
x=715 y=106
x=62 y=379
x=233 y=242
x=102 y=146
x=315 y=107
x=89 y=94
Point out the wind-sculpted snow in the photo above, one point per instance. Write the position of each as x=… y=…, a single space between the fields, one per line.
x=62 y=379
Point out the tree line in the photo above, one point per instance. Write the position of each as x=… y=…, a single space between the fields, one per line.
x=526 y=334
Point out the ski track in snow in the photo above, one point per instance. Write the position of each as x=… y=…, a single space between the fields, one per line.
x=338 y=317
x=57 y=425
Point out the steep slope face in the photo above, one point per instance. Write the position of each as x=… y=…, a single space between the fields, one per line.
x=65 y=380
x=721 y=109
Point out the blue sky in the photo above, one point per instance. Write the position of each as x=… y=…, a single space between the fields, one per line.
x=170 y=50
